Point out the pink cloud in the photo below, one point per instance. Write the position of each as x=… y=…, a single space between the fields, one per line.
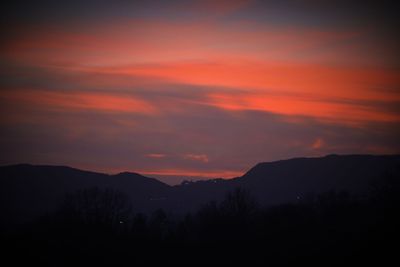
x=192 y=173
x=321 y=108
x=318 y=143
x=156 y=155
x=197 y=157
x=266 y=62
x=64 y=101
x=150 y=41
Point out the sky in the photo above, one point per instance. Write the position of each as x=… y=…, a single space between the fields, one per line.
x=196 y=89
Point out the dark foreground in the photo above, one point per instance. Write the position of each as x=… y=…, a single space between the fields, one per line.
x=97 y=228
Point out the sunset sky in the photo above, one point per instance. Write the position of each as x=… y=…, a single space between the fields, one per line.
x=196 y=88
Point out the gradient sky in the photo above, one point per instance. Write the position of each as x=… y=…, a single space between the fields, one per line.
x=196 y=88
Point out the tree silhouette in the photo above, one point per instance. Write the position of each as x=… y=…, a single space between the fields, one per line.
x=239 y=204
x=98 y=207
x=335 y=225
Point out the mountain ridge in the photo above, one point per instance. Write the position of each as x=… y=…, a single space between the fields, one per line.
x=29 y=190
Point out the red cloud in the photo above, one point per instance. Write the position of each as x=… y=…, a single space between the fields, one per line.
x=156 y=155
x=193 y=173
x=318 y=143
x=64 y=101
x=196 y=157
x=317 y=107
x=267 y=63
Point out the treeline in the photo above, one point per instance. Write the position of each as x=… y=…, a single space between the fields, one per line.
x=96 y=227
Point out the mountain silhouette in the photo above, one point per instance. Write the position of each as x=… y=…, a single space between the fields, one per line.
x=28 y=191
x=290 y=180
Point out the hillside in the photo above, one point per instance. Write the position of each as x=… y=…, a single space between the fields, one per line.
x=28 y=191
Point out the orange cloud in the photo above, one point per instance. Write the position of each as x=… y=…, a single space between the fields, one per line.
x=156 y=155
x=144 y=41
x=309 y=79
x=103 y=102
x=320 y=108
x=196 y=157
x=281 y=70
x=193 y=173
x=329 y=93
x=318 y=143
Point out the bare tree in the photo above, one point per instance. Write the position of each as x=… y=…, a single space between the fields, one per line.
x=239 y=204
x=96 y=206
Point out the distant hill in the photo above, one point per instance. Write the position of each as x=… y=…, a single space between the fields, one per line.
x=288 y=180
x=291 y=180
x=28 y=190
